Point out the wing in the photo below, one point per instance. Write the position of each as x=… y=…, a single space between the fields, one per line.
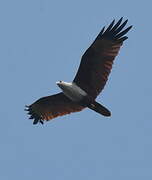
x=96 y=63
x=50 y=107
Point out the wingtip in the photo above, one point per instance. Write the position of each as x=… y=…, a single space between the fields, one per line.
x=33 y=116
x=36 y=121
x=26 y=108
x=126 y=21
x=42 y=122
x=121 y=19
x=110 y=26
x=113 y=22
x=123 y=39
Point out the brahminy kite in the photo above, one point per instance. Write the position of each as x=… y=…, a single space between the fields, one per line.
x=92 y=75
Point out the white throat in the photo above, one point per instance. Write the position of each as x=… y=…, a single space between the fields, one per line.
x=72 y=91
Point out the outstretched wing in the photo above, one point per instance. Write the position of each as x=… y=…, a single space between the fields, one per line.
x=96 y=63
x=50 y=107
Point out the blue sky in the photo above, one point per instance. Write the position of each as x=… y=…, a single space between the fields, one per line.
x=41 y=42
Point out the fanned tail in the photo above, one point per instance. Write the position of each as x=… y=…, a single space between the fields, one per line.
x=95 y=106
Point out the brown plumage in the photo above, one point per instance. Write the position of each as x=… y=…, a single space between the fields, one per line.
x=97 y=61
x=49 y=107
x=92 y=75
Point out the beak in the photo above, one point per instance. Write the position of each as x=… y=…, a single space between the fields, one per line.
x=59 y=83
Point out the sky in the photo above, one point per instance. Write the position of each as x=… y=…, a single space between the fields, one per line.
x=41 y=42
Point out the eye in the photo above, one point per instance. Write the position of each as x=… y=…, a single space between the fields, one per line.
x=60 y=81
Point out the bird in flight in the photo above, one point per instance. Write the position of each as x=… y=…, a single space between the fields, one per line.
x=91 y=77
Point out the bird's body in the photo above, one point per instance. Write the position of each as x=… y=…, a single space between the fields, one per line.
x=92 y=75
x=72 y=91
x=80 y=97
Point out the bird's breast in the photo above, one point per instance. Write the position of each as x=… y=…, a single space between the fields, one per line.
x=74 y=92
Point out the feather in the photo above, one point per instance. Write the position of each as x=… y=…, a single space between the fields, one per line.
x=96 y=63
x=50 y=107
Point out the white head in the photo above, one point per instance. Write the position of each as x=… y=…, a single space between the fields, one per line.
x=63 y=84
x=59 y=83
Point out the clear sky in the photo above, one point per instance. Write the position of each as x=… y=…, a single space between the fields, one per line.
x=41 y=42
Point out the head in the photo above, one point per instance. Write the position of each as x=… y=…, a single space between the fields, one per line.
x=60 y=84
x=63 y=84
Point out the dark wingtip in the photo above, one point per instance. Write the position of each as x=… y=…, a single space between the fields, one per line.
x=36 y=119
x=110 y=26
x=126 y=21
x=122 y=39
x=26 y=108
x=130 y=27
x=116 y=25
x=114 y=31
x=123 y=32
x=41 y=122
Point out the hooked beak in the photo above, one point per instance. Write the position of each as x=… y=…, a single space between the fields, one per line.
x=57 y=82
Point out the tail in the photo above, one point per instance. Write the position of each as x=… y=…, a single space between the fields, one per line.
x=95 y=106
